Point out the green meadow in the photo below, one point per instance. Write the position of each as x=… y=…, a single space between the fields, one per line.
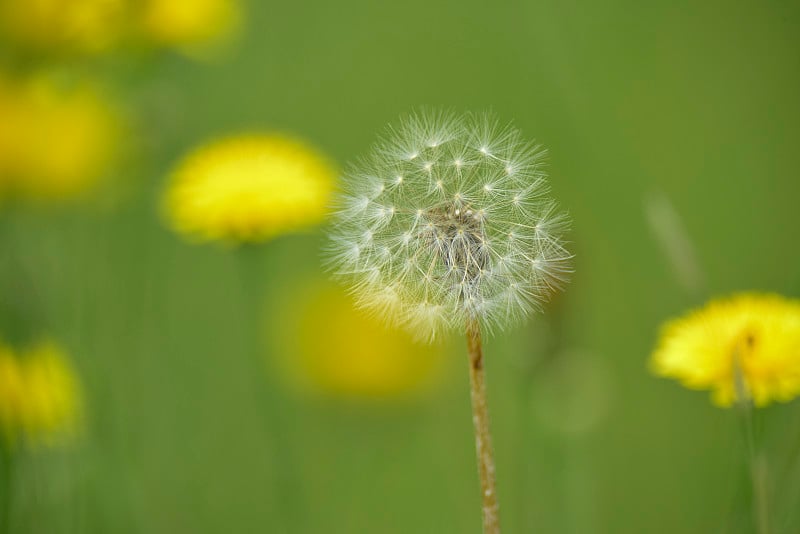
x=672 y=132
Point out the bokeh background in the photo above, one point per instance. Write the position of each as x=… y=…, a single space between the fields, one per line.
x=666 y=122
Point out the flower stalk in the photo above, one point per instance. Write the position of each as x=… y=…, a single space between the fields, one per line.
x=6 y=485
x=483 y=437
x=252 y=276
x=756 y=459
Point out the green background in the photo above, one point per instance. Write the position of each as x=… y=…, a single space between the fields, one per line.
x=697 y=102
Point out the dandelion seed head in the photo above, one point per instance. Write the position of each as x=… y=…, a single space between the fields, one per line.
x=472 y=235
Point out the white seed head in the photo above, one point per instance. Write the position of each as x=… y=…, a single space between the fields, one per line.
x=468 y=234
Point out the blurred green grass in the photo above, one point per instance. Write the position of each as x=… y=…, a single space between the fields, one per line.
x=696 y=101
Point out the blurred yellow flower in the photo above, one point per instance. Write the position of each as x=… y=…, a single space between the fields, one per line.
x=248 y=188
x=189 y=25
x=747 y=343
x=328 y=347
x=55 y=142
x=40 y=399
x=59 y=26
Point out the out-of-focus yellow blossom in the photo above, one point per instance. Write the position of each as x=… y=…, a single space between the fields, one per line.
x=747 y=343
x=330 y=348
x=189 y=25
x=248 y=188
x=55 y=141
x=40 y=399
x=59 y=26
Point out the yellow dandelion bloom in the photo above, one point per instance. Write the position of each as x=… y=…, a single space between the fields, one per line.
x=248 y=188
x=40 y=399
x=747 y=343
x=330 y=348
x=52 y=396
x=83 y=26
x=55 y=142
x=189 y=25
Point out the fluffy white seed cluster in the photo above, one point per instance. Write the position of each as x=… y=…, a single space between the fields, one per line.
x=449 y=222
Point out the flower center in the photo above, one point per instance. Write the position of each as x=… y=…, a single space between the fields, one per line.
x=458 y=239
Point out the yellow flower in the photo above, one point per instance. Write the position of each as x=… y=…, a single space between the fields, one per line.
x=40 y=399
x=751 y=339
x=55 y=142
x=330 y=348
x=248 y=188
x=189 y=25
x=86 y=26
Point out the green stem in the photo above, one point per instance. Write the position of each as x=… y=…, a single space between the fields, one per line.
x=269 y=405
x=7 y=482
x=757 y=459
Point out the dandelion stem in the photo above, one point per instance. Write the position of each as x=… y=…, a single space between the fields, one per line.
x=287 y=511
x=758 y=470
x=757 y=460
x=483 y=437
x=7 y=466
x=758 y=473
